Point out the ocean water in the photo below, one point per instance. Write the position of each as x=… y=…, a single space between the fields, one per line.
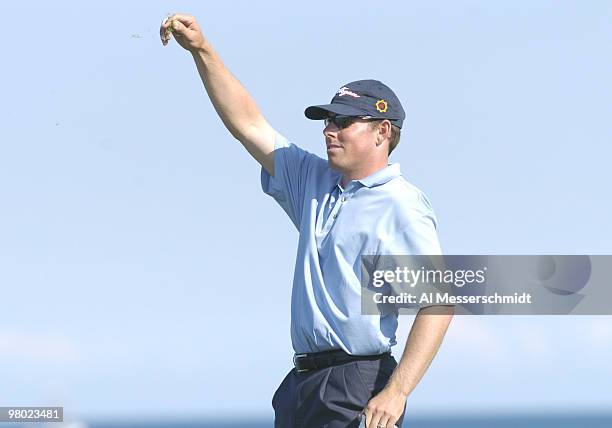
x=530 y=421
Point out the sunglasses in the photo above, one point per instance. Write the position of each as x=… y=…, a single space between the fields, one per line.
x=342 y=122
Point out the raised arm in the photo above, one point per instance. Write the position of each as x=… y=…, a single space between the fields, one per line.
x=235 y=107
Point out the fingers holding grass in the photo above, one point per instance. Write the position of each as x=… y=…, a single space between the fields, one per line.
x=165 y=30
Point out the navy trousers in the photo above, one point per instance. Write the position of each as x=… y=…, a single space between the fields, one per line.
x=332 y=397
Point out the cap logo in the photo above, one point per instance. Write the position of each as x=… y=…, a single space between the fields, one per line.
x=346 y=91
x=381 y=106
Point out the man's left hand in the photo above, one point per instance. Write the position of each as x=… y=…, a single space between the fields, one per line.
x=385 y=408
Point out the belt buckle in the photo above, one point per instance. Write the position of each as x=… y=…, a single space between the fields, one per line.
x=295 y=357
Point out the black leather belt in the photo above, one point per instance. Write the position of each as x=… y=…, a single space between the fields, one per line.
x=320 y=360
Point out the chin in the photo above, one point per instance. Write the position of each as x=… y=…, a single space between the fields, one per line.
x=334 y=165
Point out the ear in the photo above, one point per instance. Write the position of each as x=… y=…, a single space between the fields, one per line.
x=384 y=132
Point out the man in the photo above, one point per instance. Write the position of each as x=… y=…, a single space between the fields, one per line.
x=352 y=204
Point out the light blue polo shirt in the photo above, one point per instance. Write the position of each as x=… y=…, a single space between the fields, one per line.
x=380 y=214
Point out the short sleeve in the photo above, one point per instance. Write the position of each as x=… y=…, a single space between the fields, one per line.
x=288 y=185
x=418 y=236
x=417 y=233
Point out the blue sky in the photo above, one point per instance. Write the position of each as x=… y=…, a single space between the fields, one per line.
x=142 y=267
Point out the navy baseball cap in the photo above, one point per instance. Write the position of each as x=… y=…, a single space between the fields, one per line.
x=362 y=98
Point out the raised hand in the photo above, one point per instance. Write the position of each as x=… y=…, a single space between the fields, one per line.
x=185 y=30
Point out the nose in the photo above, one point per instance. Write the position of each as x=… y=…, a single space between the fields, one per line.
x=330 y=129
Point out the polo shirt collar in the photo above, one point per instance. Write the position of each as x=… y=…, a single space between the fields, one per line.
x=382 y=176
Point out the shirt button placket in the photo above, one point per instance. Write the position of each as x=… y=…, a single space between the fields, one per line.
x=343 y=200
